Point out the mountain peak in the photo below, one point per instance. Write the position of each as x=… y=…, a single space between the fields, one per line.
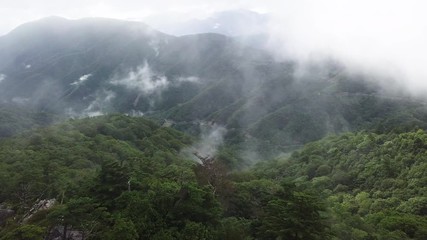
x=56 y=24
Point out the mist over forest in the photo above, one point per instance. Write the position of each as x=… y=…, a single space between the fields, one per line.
x=293 y=120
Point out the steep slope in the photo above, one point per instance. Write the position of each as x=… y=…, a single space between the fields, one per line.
x=239 y=22
x=52 y=160
x=120 y=177
x=95 y=66
x=15 y=119
x=56 y=63
x=40 y=61
x=245 y=26
x=375 y=184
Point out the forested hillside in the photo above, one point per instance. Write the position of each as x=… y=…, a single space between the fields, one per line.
x=110 y=129
x=375 y=184
x=118 y=177
x=95 y=66
x=16 y=119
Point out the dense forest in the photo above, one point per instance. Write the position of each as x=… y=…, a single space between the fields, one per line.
x=16 y=119
x=121 y=177
x=110 y=129
x=374 y=184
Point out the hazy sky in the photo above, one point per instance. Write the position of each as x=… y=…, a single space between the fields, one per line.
x=385 y=35
x=15 y=12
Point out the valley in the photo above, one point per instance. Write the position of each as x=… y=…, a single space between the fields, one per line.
x=132 y=133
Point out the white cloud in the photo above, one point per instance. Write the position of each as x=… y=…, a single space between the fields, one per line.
x=148 y=83
x=143 y=80
x=100 y=105
x=191 y=79
x=135 y=113
x=155 y=46
x=20 y=100
x=211 y=138
x=15 y=12
x=81 y=80
x=386 y=36
x=2 y=77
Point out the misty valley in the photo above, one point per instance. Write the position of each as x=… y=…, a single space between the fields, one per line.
x=111 y=129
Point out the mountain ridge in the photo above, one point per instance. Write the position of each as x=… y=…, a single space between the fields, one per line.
x=127 y=67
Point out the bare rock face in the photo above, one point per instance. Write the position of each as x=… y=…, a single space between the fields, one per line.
x=5 y=214
x=57 y=233
x=41 y=205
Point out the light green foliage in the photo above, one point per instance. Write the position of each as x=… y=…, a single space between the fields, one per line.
x=366 y=176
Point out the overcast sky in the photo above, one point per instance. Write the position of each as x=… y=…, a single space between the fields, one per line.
x=15 y=12
x=389 y=35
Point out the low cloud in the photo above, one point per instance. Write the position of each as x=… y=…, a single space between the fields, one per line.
x=134 y=113
x=188 y=79
x=100 y=105
x=81 y=80
x=142 y=79
x=211 y=138
x=20 y=100
x=148 y=83
x=386 y=38
x=155 y=46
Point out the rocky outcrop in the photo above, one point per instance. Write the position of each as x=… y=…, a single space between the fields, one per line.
x=41 y=205
x=57 y=233
x=5 y=214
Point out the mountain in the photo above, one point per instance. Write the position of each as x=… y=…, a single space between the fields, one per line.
x=95 y=66
x=40 y=61
x=56 y=63
x=253 y=166
x=239 y=22
x=244 y=26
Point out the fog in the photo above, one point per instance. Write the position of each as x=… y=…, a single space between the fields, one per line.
x=385 y=37
x=147 y=82
x=142 y=80
x=99 y=106
x=210 y=139
x=81 y=80
x=2 y=77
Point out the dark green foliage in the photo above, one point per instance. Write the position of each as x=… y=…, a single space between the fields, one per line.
x=293 y=215
x=25 y=232
x=15 y=119
x=57 y=161
x=83 y=213
x=118 y=177
x=122 y=229
x=122 y=177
